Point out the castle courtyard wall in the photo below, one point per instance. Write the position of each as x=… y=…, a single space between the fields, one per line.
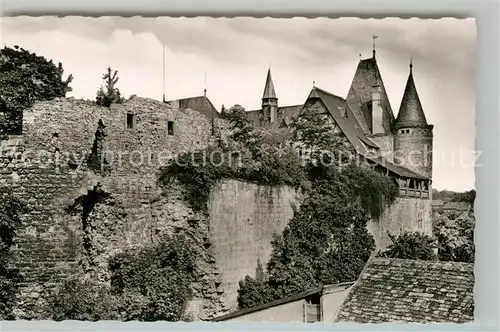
x=404 y=215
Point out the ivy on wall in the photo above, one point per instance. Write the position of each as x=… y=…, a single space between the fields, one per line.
x=11 y=210
x=147 y=284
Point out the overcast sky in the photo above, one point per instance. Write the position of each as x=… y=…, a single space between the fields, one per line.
x=234 y=55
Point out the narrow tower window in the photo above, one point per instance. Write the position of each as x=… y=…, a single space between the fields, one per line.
x=170 y=127
x=130 y=120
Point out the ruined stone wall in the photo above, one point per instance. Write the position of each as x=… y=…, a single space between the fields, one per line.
x=52 y=174
x=243 y=219
x=405 y=215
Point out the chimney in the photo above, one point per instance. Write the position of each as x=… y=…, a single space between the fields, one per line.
x=377 y=112
x=273 y=114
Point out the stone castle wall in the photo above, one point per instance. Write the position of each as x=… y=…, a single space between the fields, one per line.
x=47 y=168
x=81 y=214
x=243 y=219
x=405 y=215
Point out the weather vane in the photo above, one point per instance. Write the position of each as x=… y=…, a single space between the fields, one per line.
x=374 y=37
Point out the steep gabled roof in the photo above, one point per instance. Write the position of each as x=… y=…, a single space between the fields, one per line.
x=399 y=290
x=288 y=113
x=201 y=104
x=349 y=124
x=359 y=96
x=269 y=88
x=411 y=112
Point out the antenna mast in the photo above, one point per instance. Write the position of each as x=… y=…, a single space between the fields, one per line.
x=163 y=72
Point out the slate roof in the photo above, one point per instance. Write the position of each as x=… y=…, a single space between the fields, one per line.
x=398 y=290
x=359 y=96
x=411 y=112
x=348 y=125
x=399 y=170
x=201 y=104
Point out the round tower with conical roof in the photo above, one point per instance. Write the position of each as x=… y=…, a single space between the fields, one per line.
x=413 y=135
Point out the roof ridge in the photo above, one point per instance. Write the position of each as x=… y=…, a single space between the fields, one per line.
x=329 y=93
x=420 y=261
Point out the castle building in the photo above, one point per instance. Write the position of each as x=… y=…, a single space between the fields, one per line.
x=400 y=147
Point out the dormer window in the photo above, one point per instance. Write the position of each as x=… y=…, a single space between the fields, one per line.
x=404 y=131
x=130 y=120
x=343 y=111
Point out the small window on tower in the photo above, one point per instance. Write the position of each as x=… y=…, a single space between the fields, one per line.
x=343 y=111
x=170 y=127
x=130 y=120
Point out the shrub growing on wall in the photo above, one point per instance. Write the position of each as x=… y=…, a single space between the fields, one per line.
x=248 y=156
x=11 y=210
x=154 y=283
x=411 y=246
x=83 y=300
x=109 y=93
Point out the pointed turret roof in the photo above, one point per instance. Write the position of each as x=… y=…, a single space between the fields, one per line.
x=359 y=96
x=411 y=112
x=269 y=88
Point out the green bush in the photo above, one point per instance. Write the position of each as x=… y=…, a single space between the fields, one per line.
x=411 y=246
x=83 y=300
x=455 y=237
x=154 y=283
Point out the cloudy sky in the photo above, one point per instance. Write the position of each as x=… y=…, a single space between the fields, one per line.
x=231 y=57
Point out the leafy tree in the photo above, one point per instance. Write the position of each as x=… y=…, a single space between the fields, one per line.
x=468 y=197
x=241 y=128
x=412 y=246
x=10 y=220
x=25 y=78
x=314 y=135
x=154 y=283
x=455 y=237
x=109 y=94
x=253 y=292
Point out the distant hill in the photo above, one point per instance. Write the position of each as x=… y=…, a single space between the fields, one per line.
x=452 y=196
